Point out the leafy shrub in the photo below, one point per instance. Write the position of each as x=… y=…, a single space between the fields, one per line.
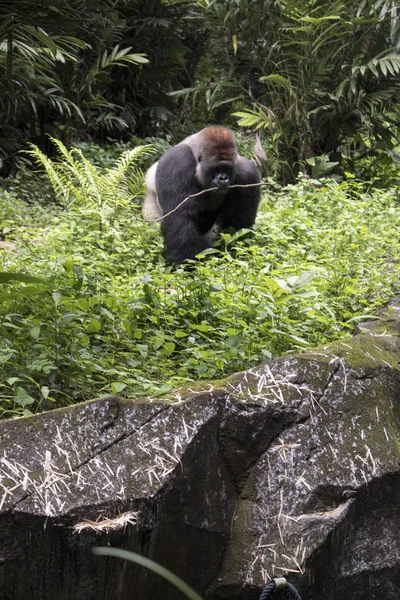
x=105 y=155
x=111 y=316
x=317 y=76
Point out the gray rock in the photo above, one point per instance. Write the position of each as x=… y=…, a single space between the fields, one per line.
x=288 y=469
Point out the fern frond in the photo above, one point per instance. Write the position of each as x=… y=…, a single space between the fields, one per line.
x=251 y=119
x=127 y=160
x=97 y=192
x=75 y=171
x=89 y=176
x=62 y=149
x=61 y=185
x=135 y=184
x=129 y=157
x=278 y=80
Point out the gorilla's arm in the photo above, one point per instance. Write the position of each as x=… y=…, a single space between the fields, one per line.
x=240 y=206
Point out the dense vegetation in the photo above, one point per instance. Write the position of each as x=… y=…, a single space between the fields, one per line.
x=87 y=303
x=106 y=314
x=321 y=77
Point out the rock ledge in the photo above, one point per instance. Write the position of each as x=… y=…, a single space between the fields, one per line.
x=288 y=469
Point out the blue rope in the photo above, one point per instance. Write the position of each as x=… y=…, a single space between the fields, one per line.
x=267 y=592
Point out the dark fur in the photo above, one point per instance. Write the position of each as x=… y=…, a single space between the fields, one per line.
x=213 y=153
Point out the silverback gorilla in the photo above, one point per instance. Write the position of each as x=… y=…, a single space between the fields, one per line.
x=203 y=160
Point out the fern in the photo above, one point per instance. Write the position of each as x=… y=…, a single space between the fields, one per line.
x=62 y=186
x=77 y=181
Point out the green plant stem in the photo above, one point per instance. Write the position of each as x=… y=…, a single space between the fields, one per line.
x=152 y=566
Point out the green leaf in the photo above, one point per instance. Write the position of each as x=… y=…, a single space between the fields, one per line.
x=45 y=391
x=248 y=120
x=143 y=349
x=117 y=386
x=276 y=285
x=56 y=297
x=67 y=319
x=278 y=80
x=309 y=294
x=22 y=398
x=301 y=280
x=202 y=327
x=234 y=341
x=93 y=326
x=35 y=332
x=298 y=339
x=168 y=348
x=152 y=566
x=68 y=265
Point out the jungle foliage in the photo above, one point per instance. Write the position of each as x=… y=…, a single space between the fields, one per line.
x=88 y=305
x=92 y=91
x=321 y=78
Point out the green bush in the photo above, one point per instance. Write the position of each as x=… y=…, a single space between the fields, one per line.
x=109 y=315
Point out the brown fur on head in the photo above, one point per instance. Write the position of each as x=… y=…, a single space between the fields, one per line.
x=216 y=155
x=218 y=142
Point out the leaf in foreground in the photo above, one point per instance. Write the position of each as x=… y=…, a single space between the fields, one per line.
x=152 y=566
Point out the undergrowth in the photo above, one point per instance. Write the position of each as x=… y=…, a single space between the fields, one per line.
x=109 y=315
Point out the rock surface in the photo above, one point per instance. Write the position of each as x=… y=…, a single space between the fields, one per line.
x=289 y=469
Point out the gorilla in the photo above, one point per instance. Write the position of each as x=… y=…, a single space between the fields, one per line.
x=206 y=159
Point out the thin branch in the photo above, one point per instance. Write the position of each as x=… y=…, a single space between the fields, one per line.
x=204 y=192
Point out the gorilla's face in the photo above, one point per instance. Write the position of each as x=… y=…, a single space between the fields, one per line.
x=213 y=172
